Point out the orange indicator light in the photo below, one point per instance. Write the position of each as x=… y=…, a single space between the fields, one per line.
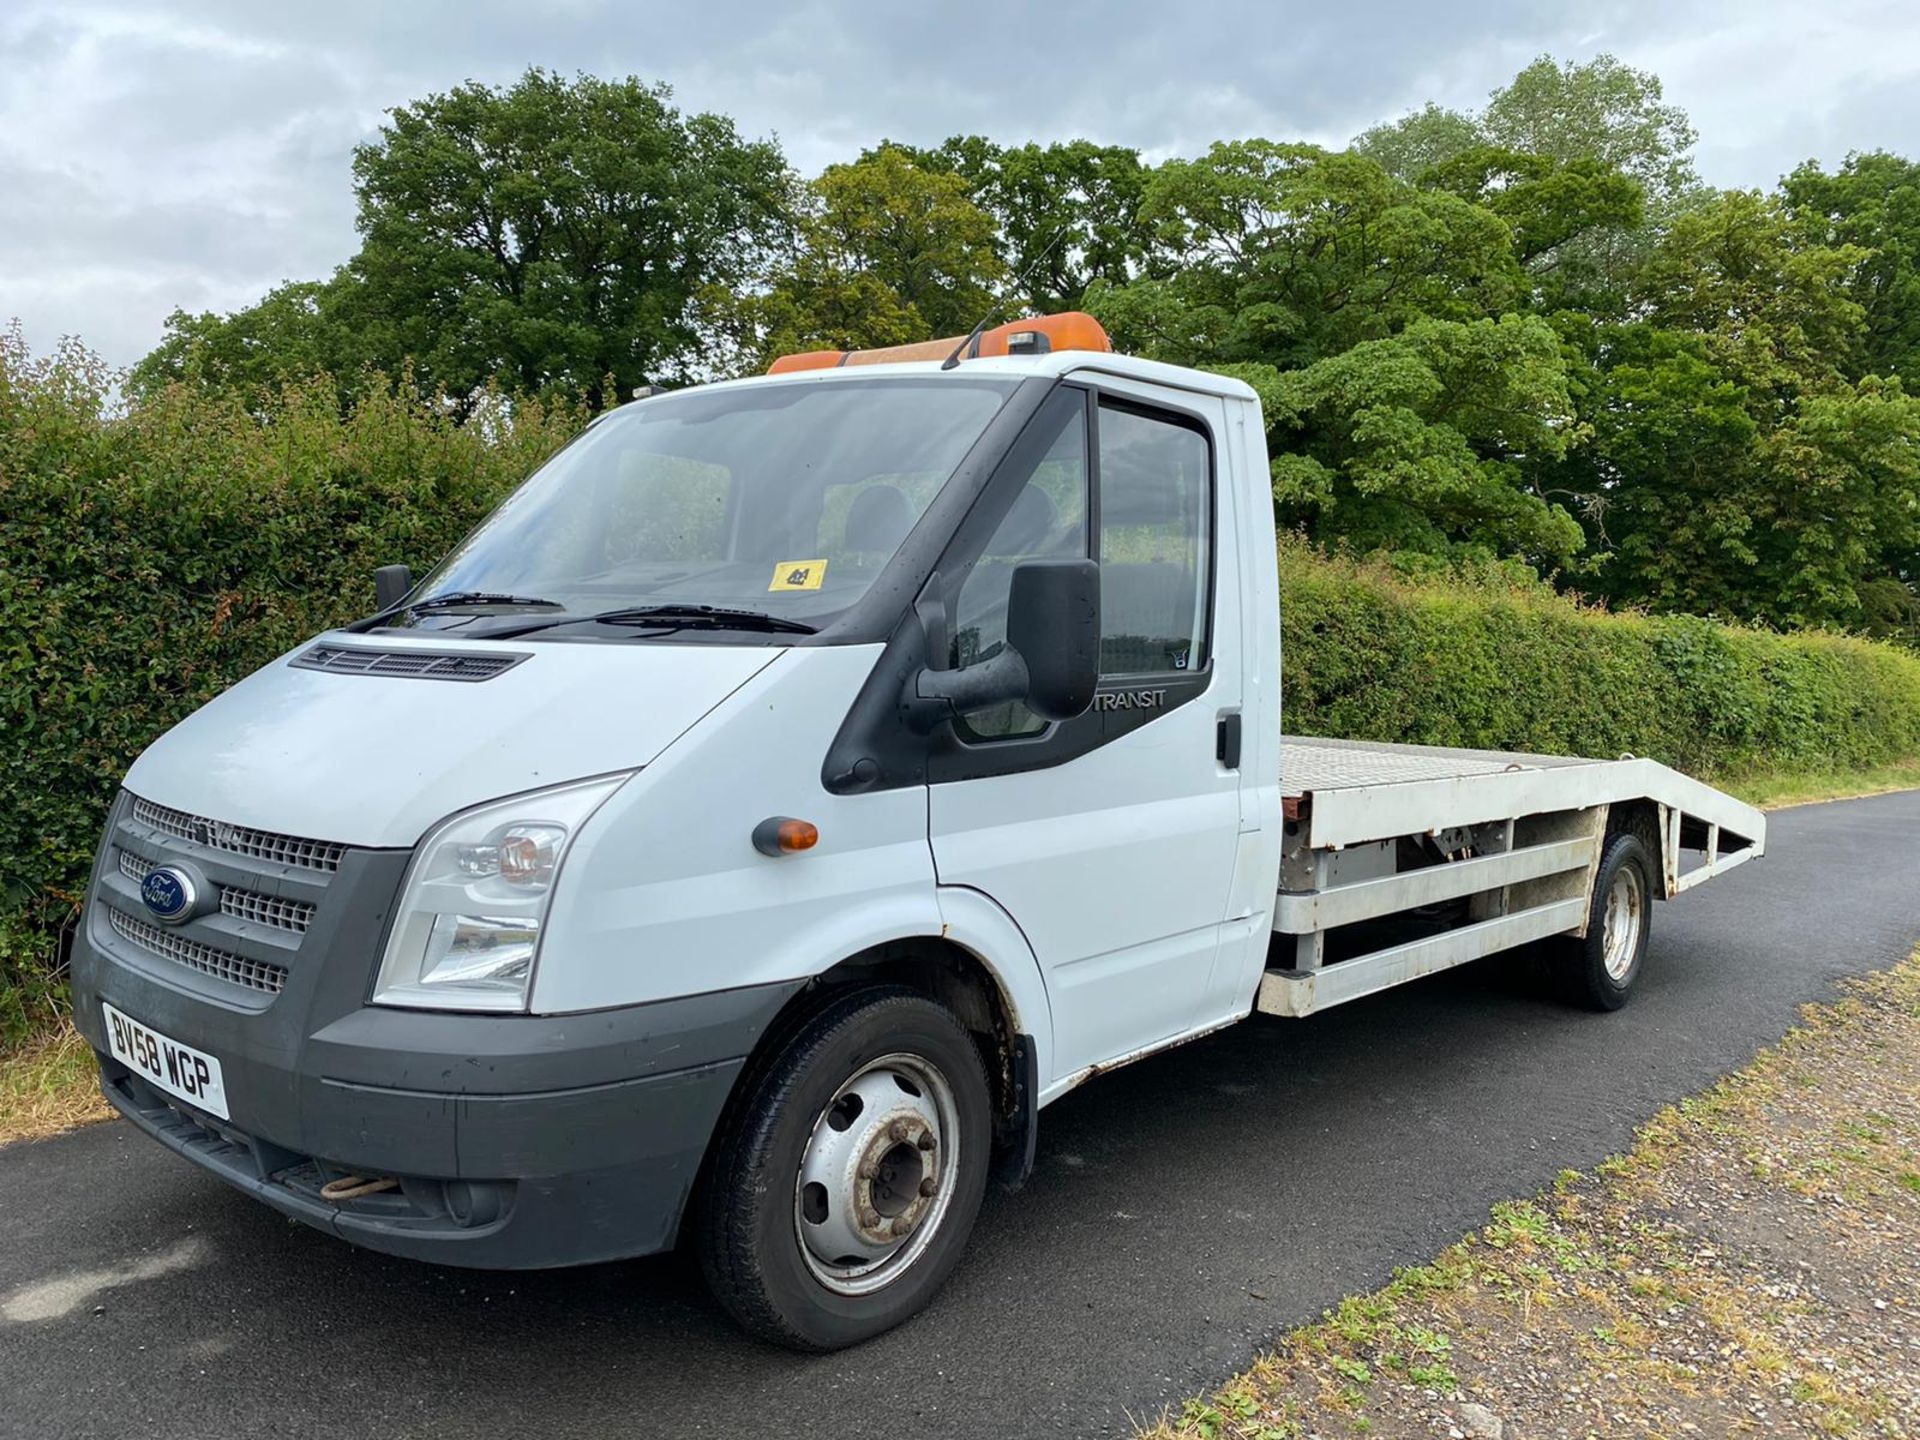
x=784 y=835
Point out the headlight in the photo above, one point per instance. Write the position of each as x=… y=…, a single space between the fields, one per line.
x=468 y=927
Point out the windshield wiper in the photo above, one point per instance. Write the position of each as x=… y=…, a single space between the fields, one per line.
x=664 y=619
x=483 y=597
x=714 y=617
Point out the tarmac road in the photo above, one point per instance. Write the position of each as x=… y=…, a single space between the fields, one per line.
x=1184 y=1210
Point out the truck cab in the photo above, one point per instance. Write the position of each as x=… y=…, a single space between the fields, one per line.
x=786 y=793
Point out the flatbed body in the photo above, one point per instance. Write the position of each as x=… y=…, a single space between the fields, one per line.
x=1376 y=831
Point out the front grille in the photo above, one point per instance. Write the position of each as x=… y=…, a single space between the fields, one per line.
x=290 y=915
x=260 y=975
x=133 y=867
x=406 y=664
x=240 y=839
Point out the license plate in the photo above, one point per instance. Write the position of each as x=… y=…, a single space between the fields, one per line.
x=178 y=1069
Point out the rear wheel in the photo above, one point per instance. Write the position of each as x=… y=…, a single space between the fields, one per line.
x=1600 y=968
x=848 y=1172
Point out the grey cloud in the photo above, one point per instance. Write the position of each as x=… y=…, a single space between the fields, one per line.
x=196 y=152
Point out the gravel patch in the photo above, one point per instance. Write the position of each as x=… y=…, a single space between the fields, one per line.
x=1750 y=1268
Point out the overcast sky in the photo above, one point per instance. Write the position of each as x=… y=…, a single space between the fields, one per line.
x=194 y=153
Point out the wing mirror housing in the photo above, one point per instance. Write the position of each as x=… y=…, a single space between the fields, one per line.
x=390 y=585
x=1051 y=659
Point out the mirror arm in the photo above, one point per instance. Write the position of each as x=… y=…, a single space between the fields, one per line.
x=939 y=695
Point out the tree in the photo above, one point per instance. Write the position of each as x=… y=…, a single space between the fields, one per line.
x=1556 y=211
x=1718 y=503
x=1369 y=314
x=296 y=330
x=1776 y=312
x=553 y=234
x=1602 y=110
x=1871 y=202
x=1285 y=254
x=1066 y=214
x=1420 y=141
x=1413 y=441
x=1579 y=126
x=556 y=233
x=884 y=252
x=1735 y=468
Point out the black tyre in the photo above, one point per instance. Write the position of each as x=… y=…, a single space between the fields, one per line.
x=1599 y=969
x=848 y=1172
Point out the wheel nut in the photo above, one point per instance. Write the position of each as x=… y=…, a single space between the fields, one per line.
x=926 y=1140
x=870 y=1219
x=901 y=1129
x=928 y=1186
x=901 y=1227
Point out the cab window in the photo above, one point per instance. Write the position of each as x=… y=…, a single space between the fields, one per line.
x=1132 y=487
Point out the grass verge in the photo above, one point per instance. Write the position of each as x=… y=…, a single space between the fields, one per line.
x=1751 y=1266
x=48 y=1083
x=1770 y=790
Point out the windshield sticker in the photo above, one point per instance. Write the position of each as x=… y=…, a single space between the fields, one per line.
x=798 y=575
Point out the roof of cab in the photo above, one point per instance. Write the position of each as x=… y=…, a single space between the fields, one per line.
x=1089 y=364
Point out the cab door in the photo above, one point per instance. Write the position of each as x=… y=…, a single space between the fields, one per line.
x=1110 y=838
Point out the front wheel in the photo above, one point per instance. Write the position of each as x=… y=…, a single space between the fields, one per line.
x=848 y=1172
x=1600 y=968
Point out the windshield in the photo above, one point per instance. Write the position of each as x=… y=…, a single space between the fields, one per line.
x=783 y=499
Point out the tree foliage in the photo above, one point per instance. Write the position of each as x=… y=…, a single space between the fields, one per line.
x=552 y=234
x=1286 y=254
x=1066 y=214
x=294 y=331
x=884 y=252
x=1602 y=111
x=1871 y=203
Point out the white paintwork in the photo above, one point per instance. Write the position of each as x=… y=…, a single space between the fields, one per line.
x=1171 y=378
x=663 y=893
x=1245 y=493
x=1122 y=901
x=377 y=761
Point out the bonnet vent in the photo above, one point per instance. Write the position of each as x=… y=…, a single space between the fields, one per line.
x=404 y=664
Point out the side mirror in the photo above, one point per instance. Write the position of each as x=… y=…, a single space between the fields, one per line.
x=1052 y=656
x=1053 y=622
x=390 y=585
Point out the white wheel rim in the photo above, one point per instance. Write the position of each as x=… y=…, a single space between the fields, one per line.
x=1626 y=914
x=878 y=1174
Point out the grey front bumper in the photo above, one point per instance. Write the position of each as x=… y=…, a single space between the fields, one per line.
x=566 y=1177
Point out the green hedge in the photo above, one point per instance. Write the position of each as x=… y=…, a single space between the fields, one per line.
x=153 y=558
x=1509 y=665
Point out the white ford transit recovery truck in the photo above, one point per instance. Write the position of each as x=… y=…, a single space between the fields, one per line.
x=779 y=800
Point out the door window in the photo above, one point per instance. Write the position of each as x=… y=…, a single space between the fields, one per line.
x=1156 y=494
x=1154 y=517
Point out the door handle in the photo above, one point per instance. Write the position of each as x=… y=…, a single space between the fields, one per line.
x=1226 y=740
